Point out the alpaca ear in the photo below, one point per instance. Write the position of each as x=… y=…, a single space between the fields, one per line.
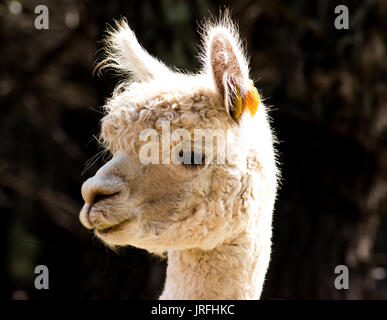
x=124 y=53
x=229 y=68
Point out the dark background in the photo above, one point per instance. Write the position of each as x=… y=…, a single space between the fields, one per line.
x=328 y=93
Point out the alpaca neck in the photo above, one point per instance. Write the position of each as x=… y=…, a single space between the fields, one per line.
x=233 y=270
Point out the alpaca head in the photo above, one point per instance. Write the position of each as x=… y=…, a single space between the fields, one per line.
x=166 y=187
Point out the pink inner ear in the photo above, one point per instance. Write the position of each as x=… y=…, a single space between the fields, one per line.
x=230 y=97
x=231 y=88
x=225 y=67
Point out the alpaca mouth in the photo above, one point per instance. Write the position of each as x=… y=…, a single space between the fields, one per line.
x=113 y=228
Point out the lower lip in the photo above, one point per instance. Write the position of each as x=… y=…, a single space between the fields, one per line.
x=112 y=228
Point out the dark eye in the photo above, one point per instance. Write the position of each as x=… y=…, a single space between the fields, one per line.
x=192 y=158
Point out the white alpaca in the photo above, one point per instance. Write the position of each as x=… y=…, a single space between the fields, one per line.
x=214 y=220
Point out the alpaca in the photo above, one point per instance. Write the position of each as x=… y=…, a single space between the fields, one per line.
x=212 y=219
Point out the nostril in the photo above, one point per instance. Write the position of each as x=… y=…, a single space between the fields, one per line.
x=100 y=188
x=100 y=196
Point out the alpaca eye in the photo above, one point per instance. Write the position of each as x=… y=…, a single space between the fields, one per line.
x=192 y=158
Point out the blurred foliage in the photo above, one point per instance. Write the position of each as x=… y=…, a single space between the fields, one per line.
x=328 y=93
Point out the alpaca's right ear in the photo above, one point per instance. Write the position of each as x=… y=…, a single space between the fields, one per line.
x=227 y=64
x=124 y=53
